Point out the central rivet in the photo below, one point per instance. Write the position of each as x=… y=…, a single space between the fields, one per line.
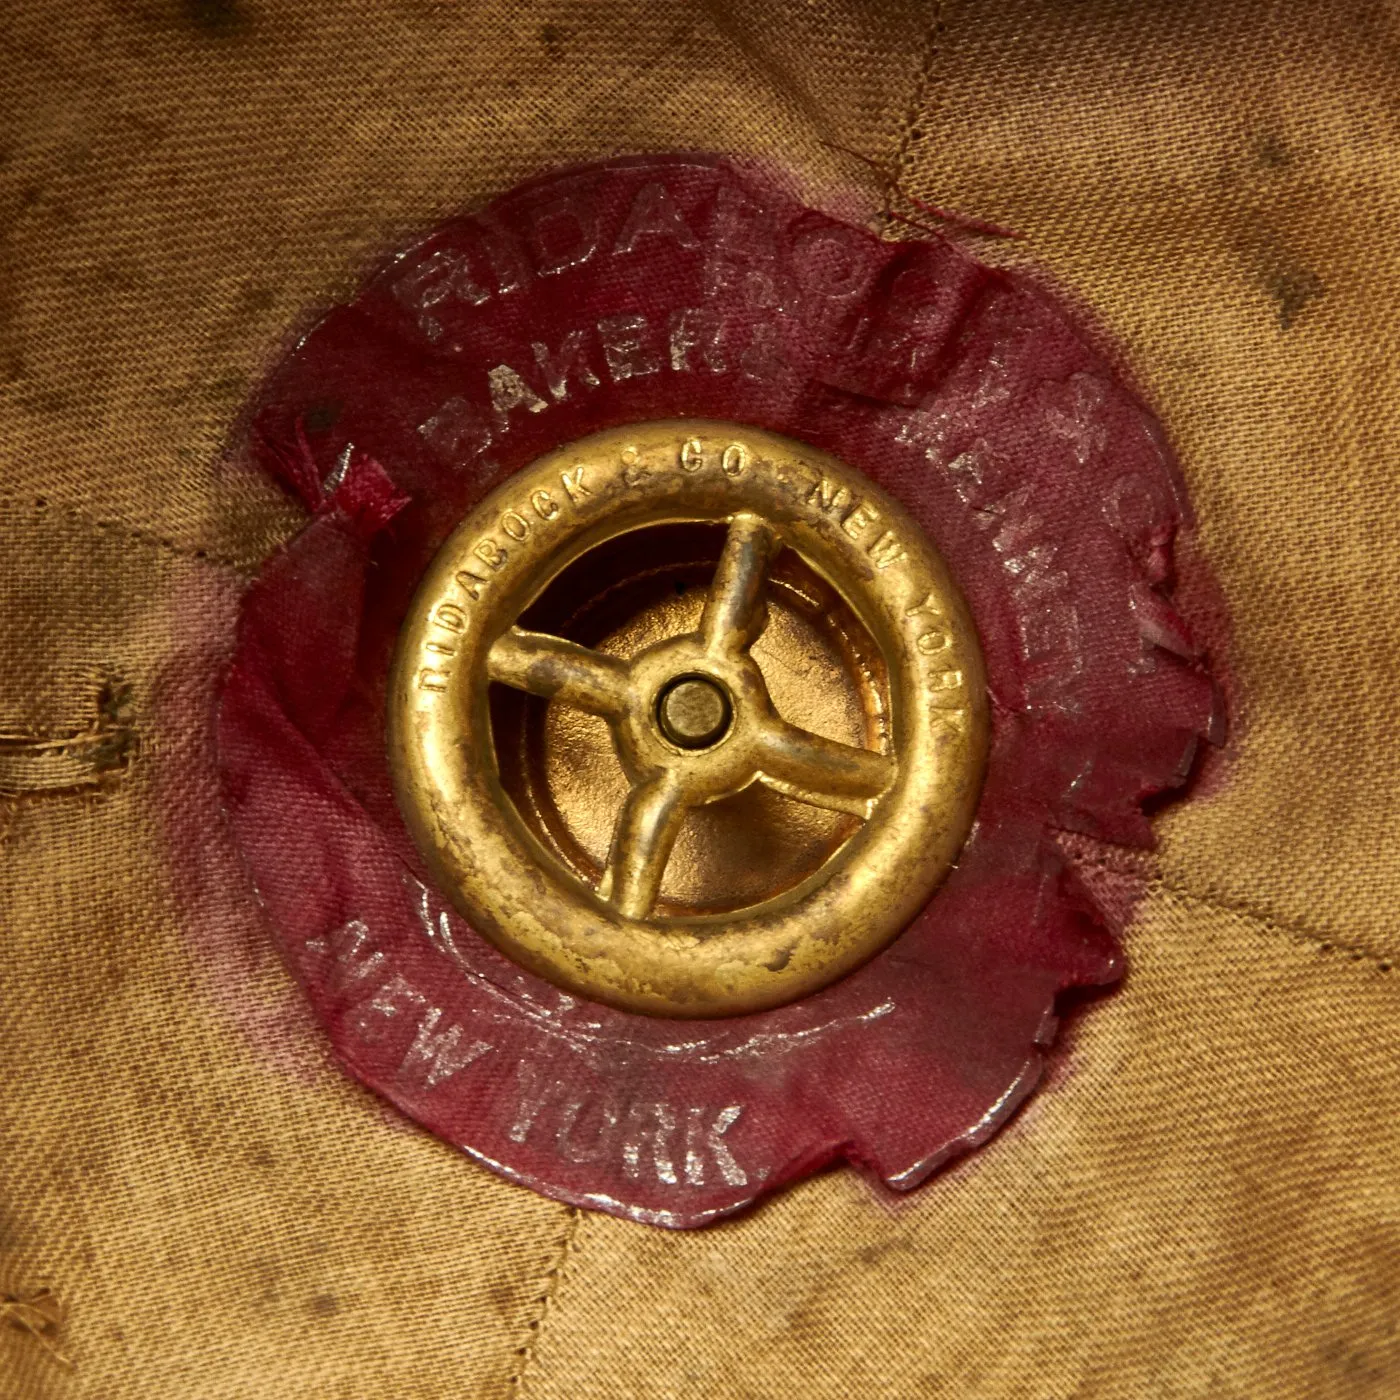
x=693 y=712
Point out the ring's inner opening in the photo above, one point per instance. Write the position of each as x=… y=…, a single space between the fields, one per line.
x=558 y=765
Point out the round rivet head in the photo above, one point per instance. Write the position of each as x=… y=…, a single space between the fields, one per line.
x=693 y=712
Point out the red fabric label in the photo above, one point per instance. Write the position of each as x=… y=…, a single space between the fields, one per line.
x=679 y=287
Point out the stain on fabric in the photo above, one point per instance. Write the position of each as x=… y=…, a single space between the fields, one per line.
x=12 y=1233
x=254 y=300
x=872 y=1254
x=216 y=18
x=1291 y=289
x=51 y=401
x=321 y=417
x=231 y=384
x=268 y=1276
x=1273 y=152
x=1356 y=1366
x=554 y=37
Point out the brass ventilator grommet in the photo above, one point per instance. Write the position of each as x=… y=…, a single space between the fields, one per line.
x=798 y=715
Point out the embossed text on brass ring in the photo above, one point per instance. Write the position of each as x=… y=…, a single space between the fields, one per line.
x=690 y=718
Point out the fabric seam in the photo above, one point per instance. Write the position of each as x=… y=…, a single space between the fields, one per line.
x=131 y=532
x=922 y=80
x=549 y=1290
x=1299 y=933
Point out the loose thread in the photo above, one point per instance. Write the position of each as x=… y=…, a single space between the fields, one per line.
x=39 y=1314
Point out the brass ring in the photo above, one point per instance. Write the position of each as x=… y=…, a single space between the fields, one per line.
x=914 y=795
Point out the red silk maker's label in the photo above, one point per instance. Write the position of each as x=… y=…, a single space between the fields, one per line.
x=685 y=286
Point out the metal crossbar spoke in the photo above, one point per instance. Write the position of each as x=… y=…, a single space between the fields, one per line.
x=647 y=828
x=821 y=771
x=735 y=613
x=560 y=670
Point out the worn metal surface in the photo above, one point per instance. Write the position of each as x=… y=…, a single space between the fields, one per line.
x=914 y=785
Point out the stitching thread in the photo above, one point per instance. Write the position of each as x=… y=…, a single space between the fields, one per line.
x=132 y=532
x=549 y=1290
x=1297 y=933
x=916 y=104
x=1116 y=859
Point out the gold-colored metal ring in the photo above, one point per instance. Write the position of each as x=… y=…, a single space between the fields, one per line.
x=691 y=717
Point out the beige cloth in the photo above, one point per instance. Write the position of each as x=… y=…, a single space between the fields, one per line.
x=1203 y=1203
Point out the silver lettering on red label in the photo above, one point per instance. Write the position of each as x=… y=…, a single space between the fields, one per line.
x=649 y=1139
